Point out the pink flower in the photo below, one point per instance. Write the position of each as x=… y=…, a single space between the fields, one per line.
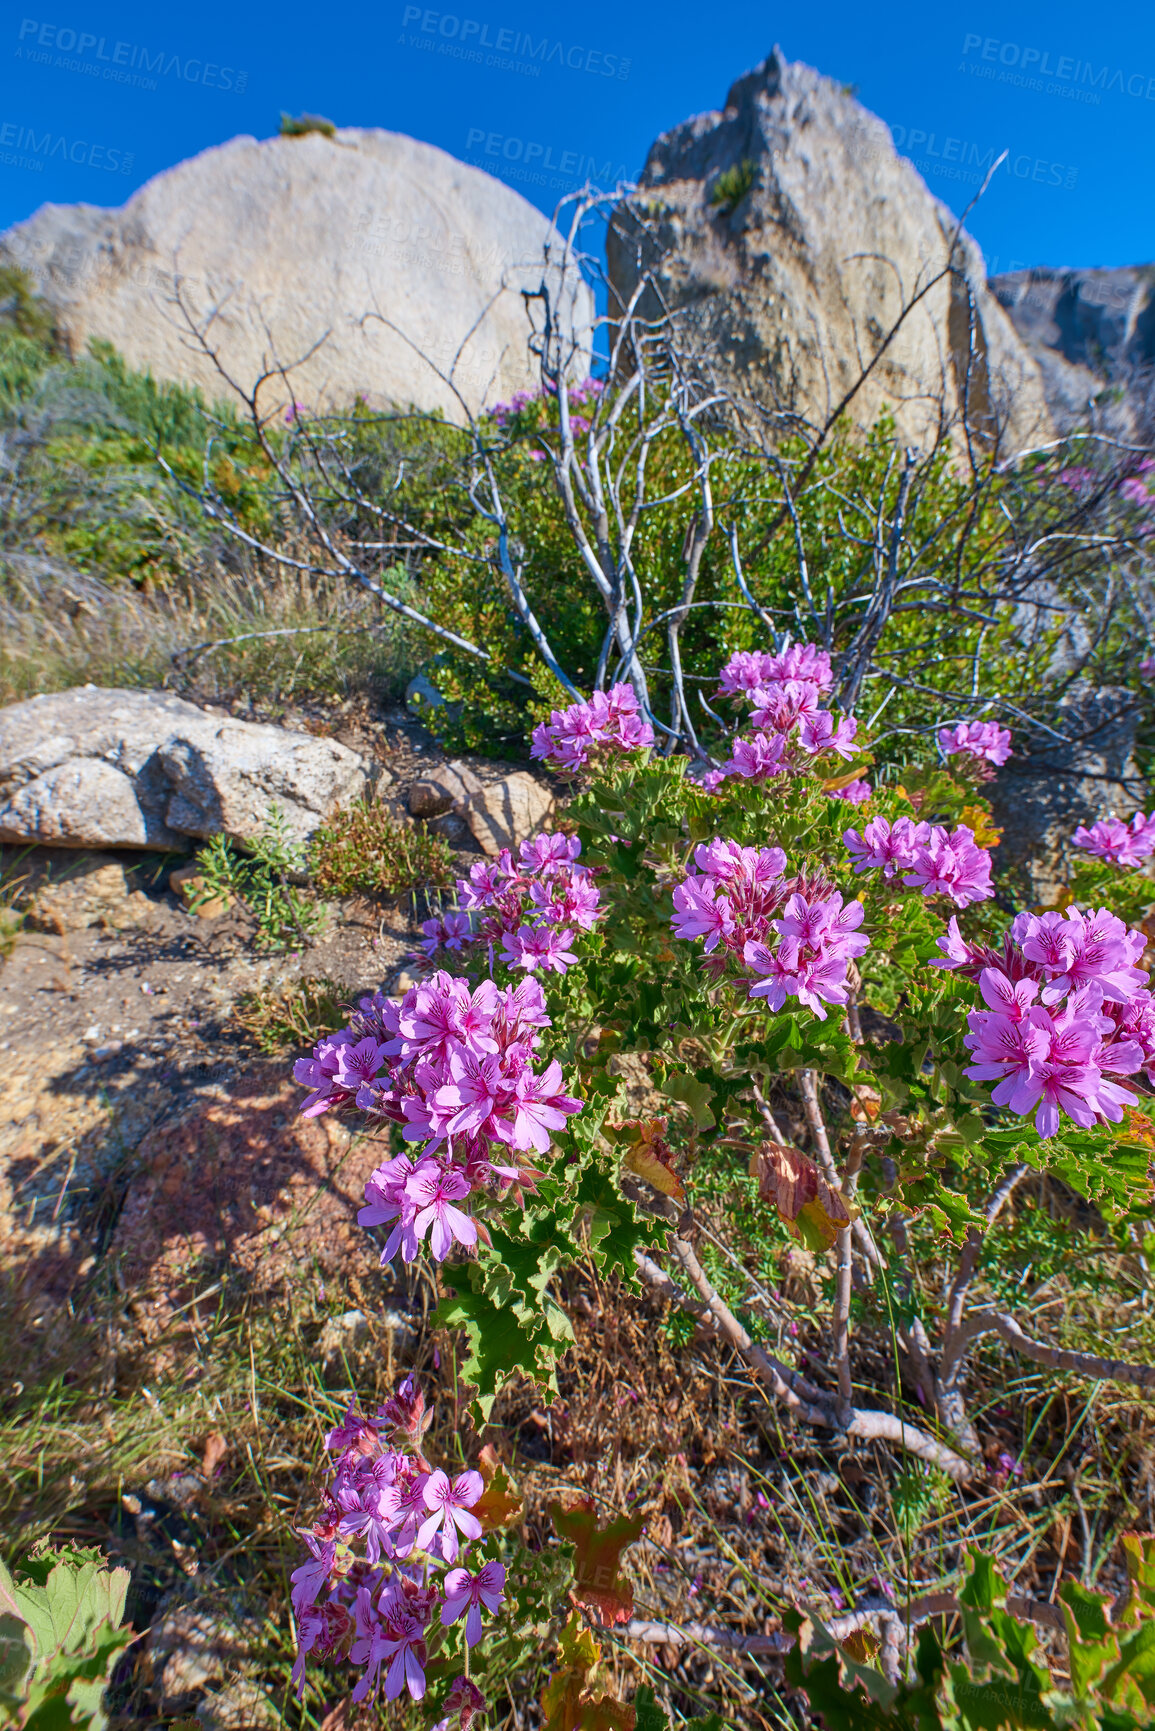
x=450 y=1503
x=1117 y=842
x=400 y=1639
x=450 y=931
x=327 y=1628
x=883 y=846
x=748 y=669
x=1079 y=949
x=983 y=739
x=854 y=793
x=610 y=719
x=757 y=758
x=820 y=733
x=781 y=705
x=433 y=1190
x=1147 y=667
x=360 y=1062
x=311 y=1578
x=539 y=1106
x=818 y=939
x=533 y=947
x=463 y=1590
x=547 y=853
x=952 y=865
x=701 y=913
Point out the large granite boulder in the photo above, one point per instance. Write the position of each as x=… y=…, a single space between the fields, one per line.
x=378 y=248
x=98 y=768
x=1088 y=330
x=786 y=232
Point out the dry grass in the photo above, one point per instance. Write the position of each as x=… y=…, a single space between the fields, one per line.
x=60 y=628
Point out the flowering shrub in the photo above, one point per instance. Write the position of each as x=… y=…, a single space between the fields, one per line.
x=766 y=966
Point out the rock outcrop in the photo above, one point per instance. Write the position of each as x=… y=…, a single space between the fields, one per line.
x=787 y=233
x=379 y=249
x=1088 y=330
x=99 y=768
x=1046 y=790
x=498 y=814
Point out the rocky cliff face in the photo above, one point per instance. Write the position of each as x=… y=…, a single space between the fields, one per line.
x=788 y=233
x=1089 y=330
x=364 y=252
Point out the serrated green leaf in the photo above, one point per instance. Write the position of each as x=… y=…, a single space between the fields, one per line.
x=1091 y=1641
x=501 y=1342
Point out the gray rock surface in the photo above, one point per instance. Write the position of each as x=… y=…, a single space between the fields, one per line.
x=286 y=243
x=795 y=284
x=104 y=768
x=1041 y=796
x=1087 y=329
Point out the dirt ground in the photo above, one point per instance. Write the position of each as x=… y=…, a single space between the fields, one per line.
x=107 y=1034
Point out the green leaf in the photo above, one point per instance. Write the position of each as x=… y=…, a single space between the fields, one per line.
x=1092 y=1644
x=501 y=1342
x=693 y=1093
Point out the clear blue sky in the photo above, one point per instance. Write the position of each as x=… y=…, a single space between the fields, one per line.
x=1069 y=90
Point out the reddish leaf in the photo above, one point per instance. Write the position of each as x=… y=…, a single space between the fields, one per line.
x=564 y=1700
x=599 y=1586
x=648 y=1155
x=807 y=1205
x=215 y=1449
x=499 y=1502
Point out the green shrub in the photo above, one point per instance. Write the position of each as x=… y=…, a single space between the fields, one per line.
x=285 y=917
x=367 y=849
x=296 y=126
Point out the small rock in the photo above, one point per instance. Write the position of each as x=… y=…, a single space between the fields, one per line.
x=448 y=788
x=190 y=1648
x=508 y=812
x=186 y=882
x=342 y=1334
x=453 y=827
x=102 y=1053
x=421 y=695
x=402 y=981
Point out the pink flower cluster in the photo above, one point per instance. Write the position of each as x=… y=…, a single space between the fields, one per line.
x=1067 y=1012
x=454 y=1068
x=936 y=861
x=981 y=739
x=790 y=726
x=788 y=938
x=531 y=910
x=1118 y=843
x=410 y=1521
x=610 y=722
x=581 y=393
